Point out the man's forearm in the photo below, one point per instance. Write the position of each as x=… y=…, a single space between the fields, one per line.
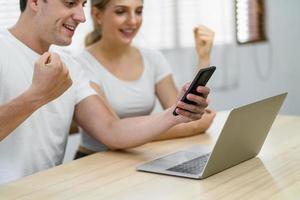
x=16 y=111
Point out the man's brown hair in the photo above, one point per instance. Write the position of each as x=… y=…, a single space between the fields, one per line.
x=23 y=4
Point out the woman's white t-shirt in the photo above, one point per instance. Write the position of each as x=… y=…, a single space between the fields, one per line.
x=127 y=98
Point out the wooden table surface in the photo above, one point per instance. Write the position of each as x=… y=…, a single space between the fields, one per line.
x=273 y=174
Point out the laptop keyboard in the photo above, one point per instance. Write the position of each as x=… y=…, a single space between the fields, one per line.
x=194 y=166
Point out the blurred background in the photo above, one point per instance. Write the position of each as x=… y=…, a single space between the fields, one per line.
x=256 y=48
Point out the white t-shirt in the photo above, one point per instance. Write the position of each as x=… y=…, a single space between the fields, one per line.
x=127 y=98
x=39 y=142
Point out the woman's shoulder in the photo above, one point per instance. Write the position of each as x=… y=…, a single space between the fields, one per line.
x=155 y=61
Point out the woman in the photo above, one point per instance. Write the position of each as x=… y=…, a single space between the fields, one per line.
x=130 y=78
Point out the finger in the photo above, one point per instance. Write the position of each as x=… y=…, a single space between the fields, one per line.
x=198 y=32
x=182 y=91
x=204 y=33
x=68 y=82
x=200 y=109
x=65 y=70
x=186 y=86
x=191 y=116
x=204 y=91
x=195 y=30
x=212 y=113
x=207 y=110
x=198 y=100
x=51 y=60
x=56 y=61
x=206 y=38
x=44 y=59
x=204 y=28
x=200 y=26
x=208 y=101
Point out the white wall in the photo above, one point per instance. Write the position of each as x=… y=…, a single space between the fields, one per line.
x=250 y=72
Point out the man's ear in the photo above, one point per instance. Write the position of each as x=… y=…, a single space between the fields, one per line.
x=33 y=4
x=97 y=15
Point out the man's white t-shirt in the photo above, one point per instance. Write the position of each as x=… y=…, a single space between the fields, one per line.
x=39 y=142
x=127 y=98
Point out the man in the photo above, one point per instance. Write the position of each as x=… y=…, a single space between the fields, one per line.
x=39 y=94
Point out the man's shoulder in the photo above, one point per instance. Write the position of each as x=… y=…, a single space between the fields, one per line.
x=4 y=35
x=6 y=50
x=3 y=32
x=5 y=41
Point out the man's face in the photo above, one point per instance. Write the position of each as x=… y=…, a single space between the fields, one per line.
x=58 y=19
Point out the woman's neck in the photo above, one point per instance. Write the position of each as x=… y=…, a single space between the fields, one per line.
x=123 y=61
x=110 y=50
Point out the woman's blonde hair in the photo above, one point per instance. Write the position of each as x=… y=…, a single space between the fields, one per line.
x=96 y=35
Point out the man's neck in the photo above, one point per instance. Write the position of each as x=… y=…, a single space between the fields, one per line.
x=25 y=32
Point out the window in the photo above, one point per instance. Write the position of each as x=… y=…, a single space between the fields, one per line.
x=169 y=23
x=250 y=24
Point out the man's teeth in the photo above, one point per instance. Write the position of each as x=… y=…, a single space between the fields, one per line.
x=70 y=27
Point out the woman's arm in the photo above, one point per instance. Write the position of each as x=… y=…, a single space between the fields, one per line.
x=94 y=116
x=204 y=38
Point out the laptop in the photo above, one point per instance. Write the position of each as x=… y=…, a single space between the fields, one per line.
x=241 y=139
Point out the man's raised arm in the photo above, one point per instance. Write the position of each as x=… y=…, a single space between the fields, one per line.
x=50 y=80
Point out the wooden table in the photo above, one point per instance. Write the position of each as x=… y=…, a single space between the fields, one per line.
x=274 y=174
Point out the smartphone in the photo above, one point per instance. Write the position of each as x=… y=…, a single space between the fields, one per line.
x=201 y=79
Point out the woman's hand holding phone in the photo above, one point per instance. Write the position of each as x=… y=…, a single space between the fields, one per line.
x=193 y=101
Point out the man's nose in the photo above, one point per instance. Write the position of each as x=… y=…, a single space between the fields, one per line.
x=79 y=15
